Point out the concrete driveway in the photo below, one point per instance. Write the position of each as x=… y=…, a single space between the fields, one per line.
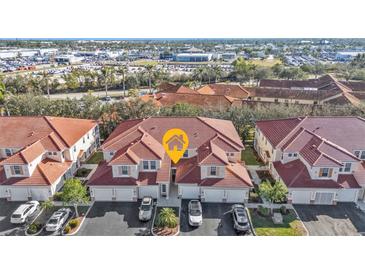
x=344 y=219
x=217 y=220
x=114 y=219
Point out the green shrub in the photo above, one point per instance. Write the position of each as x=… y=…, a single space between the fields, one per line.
x=254 y=197
x=284 y=210
x=57 y=196
x=74 y=223
x=167 y=218
x=34 y=228
x=67 y=229
x=263 y=211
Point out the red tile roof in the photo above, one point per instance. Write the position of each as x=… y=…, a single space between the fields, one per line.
x=231 y=90
x=295 y=175
x=26 y=155
x=46 y=173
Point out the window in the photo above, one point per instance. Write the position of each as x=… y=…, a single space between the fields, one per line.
x=74 y=148
x=186 y=154
x=83 y=140
x=325 y=172
x=111 y=153
x=145 y=164
x=50 y=153
x=290 y=155
x=124 y=170
x=357 y=153
x=8 y=152
x=153 y=165
x=88 y=136
x=347 y=167
x=362 y=154
x=55 y=153
x=295 y=154
x=63 y=154
x=276 y=100
x=17 y=170
x=213 y=171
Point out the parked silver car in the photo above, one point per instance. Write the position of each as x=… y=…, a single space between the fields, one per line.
x=58 y=219
x=240 y=218
x=195 y=213
x=146 y=208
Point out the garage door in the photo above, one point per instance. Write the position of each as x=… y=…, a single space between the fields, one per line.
x=235 y=196
x=19 y=194
x=39 y=194
x=301 y=197
x=323 y=198
x=103 y=194
x=124 y=194
x=213 y=195
x=189 y=192
x=347 y=195
x=151 y=191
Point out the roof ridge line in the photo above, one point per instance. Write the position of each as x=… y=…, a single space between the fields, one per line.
x=55 y=130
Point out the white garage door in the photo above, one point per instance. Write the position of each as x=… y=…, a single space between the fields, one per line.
x=347 y=195
x=213 y=195
x=189 y=192
x=103 y=194
x=39 y=194
x=235 y=196
x=151 y=191
x=19 y=194
x=324 y=198
x=301 y=197
x=124 y=194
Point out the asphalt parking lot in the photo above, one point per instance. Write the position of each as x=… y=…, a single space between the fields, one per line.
x=344 y=219
x=7 y=228
x=114 y=219
x=217 y=220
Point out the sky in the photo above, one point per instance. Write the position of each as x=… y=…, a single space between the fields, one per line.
x=182 y=19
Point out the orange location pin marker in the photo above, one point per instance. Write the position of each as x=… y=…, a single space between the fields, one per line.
x=175 y=142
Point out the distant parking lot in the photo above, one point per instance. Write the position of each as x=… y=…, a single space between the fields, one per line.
x=217 y=220
x=114 y=219
x=343 y=219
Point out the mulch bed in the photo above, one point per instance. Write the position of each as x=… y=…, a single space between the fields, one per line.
x=75 y=228
x=165 y=231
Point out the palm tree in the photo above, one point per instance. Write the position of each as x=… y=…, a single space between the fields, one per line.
x=167 y=218
x=150 y=69
x=123 y=70
x=45 y=77
x=218 y=72
x=198 y=74
x=107 y=75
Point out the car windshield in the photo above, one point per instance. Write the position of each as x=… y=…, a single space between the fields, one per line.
x=195 y=212
x=17 y=215
x=53 y=221
x=145 y=207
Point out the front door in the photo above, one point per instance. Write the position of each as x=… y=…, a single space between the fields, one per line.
x=163 y=190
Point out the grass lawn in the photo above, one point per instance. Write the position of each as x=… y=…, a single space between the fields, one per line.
x=249 y=156
x=96 y=158
x=265 y=62
x=264 y=226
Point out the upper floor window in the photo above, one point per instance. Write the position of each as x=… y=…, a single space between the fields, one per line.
x=213 y=171
x=88 y=136
x=8 y=152
x=149 y=165
x=290 y=155
x=74 y=148
x=347 y=167
x=123 y=170
x=357 y=153
x=295 y=154
x=186 y=154
x=325 y=172
x=17 y=170
x=83 y=140
x=362 y=156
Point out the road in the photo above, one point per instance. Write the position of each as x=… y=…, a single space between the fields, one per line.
x=79 y=95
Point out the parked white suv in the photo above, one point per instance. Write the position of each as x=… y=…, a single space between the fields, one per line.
x=195 y=213
x=23 y=212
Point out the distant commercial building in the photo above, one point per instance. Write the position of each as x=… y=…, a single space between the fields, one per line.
x=193 y=57
x=228 y=56
x=166 y=56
